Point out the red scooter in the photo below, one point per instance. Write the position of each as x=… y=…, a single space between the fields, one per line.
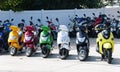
x=53 y=28
x=30 y=41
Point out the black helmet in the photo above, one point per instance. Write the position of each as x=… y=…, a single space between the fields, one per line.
x=106 y=33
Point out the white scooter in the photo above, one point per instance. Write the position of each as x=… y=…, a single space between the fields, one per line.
x=63 y=41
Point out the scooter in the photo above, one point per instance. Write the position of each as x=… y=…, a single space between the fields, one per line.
x=118 y=30
x=53 y=28
x=30 y=41
x=82 y=43
x=46 y=41
x=2 y=42
x=22 y=24
x=63 y=41
x=105 y=45
x=6 y=32
x=15 y=40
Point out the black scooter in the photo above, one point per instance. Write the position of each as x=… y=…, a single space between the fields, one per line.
x=82 y=43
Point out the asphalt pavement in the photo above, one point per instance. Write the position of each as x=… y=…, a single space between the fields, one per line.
x=21 y=63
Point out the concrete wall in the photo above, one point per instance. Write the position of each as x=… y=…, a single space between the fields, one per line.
x=52 y=14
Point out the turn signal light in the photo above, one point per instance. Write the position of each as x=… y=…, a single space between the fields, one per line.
x=100 y=39
x=112 y=39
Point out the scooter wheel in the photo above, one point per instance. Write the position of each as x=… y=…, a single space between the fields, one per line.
x=109 y=54
x=45 y=52
x=29 y=51
x=82 y=55
x=63 y=53
x=13 y=51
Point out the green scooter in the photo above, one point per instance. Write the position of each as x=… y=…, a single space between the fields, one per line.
x=46 y=41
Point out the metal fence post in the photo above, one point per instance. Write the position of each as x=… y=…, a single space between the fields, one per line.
x=75 y=11
x=10 y=14
x=42 y=15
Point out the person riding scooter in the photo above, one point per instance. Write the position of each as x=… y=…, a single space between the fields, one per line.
x=105 y=44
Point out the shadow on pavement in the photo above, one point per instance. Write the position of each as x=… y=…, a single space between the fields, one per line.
x=72 y=57
x=116 y=61
x=93 y=58
x=53 y=55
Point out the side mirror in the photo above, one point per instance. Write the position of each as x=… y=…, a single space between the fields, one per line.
x=22 y=20
x=118 y=11
x=0 y=21
x=12 y=19
x=84 y=15
x=39 y=20
x=46 y=17
x=93 y=14
x=57 y=19
x=31 y=17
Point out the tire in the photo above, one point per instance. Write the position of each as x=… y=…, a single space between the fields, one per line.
x=118 y=32
x=45 y=52
x=13 y=51
x=82 y=55
x=109 y=56
x=29 y=51
x=63 y=53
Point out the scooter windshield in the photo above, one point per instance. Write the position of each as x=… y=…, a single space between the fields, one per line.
x=45 y=35
x=106 y=34
x=81 y=34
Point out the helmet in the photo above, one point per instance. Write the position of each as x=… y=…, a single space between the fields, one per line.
x=106 y=33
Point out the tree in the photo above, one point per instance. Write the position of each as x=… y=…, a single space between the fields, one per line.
x=48 y=4
x=10 y=4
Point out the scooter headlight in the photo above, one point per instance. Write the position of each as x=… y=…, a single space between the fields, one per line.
x=28 y=38
x=12 y=37
x=81 y=39
x=44 y=38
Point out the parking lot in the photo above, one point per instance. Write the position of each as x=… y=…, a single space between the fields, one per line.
x=21 y=63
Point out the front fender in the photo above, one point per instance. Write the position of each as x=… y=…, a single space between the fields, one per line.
x=30 y=45
x=106 y=46
x=16 y=45
x=66 y=46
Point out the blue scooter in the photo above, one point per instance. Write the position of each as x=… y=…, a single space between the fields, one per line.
x=2 y=43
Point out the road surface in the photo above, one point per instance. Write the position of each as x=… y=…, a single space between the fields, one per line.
x=21 y=63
